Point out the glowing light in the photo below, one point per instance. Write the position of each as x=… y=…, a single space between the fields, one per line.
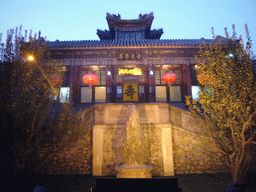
x=195 y=90
x=165 y=67
x=90 y=79
x=31 y=58
x=169 y=77
x=95 y=67
x=135 y=71
x=230 y=55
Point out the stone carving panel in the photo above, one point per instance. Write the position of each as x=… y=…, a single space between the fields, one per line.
x=113 y=140
x=112 y=149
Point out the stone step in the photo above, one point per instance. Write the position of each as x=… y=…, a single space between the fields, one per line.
x=112 y=184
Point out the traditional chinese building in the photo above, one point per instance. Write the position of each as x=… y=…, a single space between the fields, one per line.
x=129 y=60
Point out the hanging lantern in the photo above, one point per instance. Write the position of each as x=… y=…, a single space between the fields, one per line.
x=169 y=77
x=55 y=78
x=203 y=78
x=90 y=79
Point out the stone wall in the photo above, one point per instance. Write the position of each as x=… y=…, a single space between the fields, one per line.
x=193 y=151
x=74 y=158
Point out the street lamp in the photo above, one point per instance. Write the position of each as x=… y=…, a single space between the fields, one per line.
x=31 y=58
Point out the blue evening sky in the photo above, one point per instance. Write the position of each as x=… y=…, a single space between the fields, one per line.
x=80 y=19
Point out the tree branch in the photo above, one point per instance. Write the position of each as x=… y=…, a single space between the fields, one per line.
x=244 y=125
x=225 y=153
x=233 y=136
x=242 y=155
x=228 y=164
x=253 y=142
x=231 y=158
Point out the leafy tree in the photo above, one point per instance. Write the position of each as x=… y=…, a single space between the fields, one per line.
x=28 y=86
x=227 y=102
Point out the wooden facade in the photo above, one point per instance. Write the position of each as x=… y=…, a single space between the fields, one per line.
x=128 y=44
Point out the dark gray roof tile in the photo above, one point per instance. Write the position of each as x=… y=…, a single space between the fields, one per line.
x=123 y=42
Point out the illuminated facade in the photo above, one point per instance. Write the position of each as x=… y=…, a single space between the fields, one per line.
x=130 y=60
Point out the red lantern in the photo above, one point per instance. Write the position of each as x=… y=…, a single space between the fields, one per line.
x=55 y=78
x=169 y=77
x=203 y=78
x=90 y=79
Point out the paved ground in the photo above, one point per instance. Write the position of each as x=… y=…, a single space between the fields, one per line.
x=207 y=182
x=213 y=182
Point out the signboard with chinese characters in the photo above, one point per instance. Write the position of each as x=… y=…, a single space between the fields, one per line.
x=129 y=56
x=135 y=71
x=130 y=91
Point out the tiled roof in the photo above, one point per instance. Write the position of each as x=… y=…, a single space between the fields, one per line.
x=141 y=17
x=125 y=43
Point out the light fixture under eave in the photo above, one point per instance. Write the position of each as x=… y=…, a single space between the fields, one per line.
x=109 y=73
x=151 y=72
x=165 y=67
x=95 y=68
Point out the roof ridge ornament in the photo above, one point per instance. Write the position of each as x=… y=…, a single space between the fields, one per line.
x=117 y=17
x=145 y=16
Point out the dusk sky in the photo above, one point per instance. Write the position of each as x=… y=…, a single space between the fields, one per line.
x=79 y=19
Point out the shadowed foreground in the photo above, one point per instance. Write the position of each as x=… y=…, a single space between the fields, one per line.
x=206 y=182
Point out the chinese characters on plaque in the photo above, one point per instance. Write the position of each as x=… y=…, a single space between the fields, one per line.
x=130 y=91
x=129 y=56
x=135 y=71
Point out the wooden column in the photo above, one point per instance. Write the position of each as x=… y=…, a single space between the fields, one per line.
x=186 y=88
x=109 y=84
x=188 y=79
x=150 y=82
x=74 y=84
x=168 y=93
